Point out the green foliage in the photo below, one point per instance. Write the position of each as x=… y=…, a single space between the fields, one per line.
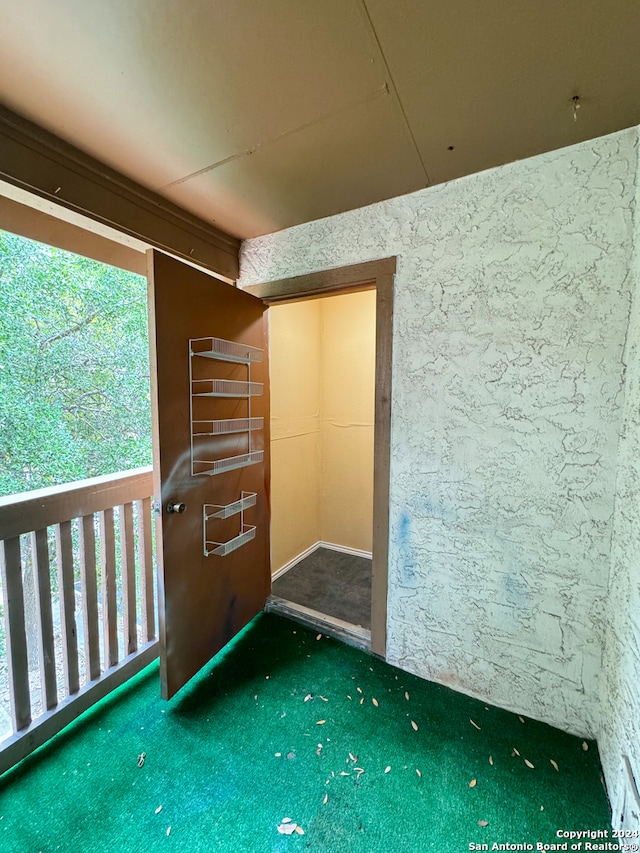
x=74 y=367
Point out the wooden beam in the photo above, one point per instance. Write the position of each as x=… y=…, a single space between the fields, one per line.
x=67 y=600
x=382 y=460
x=36 y=225
x=128 y=575
x=11 y=569
x=109 y=590
x=43 y=164
x=352 y=635
x=44 y=507
x=47 y=654
x=352 y=278
x=88 y=577
x=145 y=557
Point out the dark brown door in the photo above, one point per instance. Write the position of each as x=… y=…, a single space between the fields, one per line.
x=210 y=384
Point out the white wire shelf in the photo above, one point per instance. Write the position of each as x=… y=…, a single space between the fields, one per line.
x=225 y=388
x=217 y=466
x=227 y=426
x=221 y=549
x=227 y=510
x=222 y=350
x=202 y=415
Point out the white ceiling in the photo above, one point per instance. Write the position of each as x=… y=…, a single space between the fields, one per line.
x=260 y=114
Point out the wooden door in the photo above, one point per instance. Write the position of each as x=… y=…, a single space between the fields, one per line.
x=210 y=390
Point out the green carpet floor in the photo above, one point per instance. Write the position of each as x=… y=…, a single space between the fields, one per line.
x=275 y=728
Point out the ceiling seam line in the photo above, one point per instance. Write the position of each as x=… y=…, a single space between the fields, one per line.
x=247 y=152
x=373 y=33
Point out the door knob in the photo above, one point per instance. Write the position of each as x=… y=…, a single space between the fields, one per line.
x=176 y=506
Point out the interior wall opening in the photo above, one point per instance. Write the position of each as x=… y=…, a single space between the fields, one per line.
x=322 y=355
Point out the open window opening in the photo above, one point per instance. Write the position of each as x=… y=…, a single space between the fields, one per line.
x=74 y=380
x=77 y=584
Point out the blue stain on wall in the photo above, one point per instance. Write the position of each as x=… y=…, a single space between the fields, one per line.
x=405 y=527
x=406 y=561
x=425 y=507
x=516 y=590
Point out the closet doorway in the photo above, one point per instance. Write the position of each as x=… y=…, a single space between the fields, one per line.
x=322 y=375
x=330 y=376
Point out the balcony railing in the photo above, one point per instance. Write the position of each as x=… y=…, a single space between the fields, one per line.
x=77 y=595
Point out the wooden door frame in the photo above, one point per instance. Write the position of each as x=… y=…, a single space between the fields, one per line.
x=366 y=276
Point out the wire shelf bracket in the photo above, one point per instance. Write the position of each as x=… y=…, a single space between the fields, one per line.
x=206 y=425
x=222 y=350
x=247 y=531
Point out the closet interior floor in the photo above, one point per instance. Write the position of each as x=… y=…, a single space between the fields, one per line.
x=331 y=582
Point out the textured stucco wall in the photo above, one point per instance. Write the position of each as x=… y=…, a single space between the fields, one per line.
x=620 y=727
x=511 y=307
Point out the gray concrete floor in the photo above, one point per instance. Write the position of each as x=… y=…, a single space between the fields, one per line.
x=331 y=582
